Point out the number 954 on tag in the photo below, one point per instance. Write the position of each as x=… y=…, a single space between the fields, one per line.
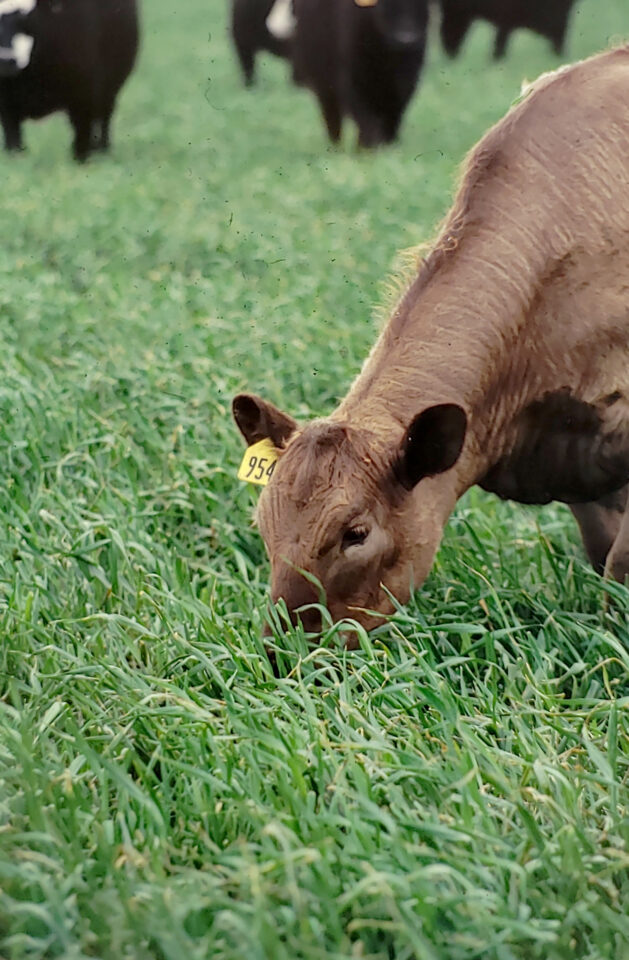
x=258 y=463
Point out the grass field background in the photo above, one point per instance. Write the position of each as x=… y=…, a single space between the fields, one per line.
x=457 y=787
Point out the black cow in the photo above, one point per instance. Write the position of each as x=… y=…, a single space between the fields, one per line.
x=362 y=59
x=251 y=34
x=71 y=55
x=546 y=17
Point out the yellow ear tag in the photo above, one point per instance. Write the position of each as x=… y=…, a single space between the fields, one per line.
x=258 y=462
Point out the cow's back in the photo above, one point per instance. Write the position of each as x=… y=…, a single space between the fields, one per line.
x=561 y=155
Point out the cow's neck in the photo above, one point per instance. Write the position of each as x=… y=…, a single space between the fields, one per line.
x=473 y=333
x=451 y=340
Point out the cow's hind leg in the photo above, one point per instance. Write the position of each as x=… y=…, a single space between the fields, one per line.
x=391 y=124
x=370 y=135
x=558 y=39
x=82 y=124
x=454 y=26
x=331 y=110
x=500 y=42
x=601 y=523
x=105 y=125
x=12 y=129
x=247 y=63
x=101 y=129
x=243 y=35
x=372 y=123
x=558 y=28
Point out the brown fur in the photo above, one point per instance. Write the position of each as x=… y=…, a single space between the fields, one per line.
x=519 y=320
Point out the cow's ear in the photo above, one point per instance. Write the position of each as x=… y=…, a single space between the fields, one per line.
x=257 y=419
x=431 y=443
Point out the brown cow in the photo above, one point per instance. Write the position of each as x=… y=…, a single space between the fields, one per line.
x=506 y=364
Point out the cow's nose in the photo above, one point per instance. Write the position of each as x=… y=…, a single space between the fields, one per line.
x=272 y=657
x=311 y=623
x=298 y=594
x=310 y=619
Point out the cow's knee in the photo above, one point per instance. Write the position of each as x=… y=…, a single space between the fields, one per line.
x=617 y=565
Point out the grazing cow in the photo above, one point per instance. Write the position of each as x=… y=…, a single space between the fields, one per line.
x=362 y=59
x=546 y=17
x=254 y=30
x=71 y=55
x=505 y=364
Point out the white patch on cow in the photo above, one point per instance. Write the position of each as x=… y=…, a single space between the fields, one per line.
x=16 y=6
x=281 y=21
x=22 y=47
x=19 y=51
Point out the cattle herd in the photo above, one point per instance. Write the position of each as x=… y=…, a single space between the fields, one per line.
x=362 y=58
x=505 y=364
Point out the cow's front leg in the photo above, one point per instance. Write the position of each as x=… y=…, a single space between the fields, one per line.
x=500 y=42
x=12 y=130
x=454 y=26
x=599 y=523
x=617 y=565
x=81 y=121
x=332 y=115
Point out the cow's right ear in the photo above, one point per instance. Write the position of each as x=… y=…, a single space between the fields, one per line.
x=431 y=444
x=258 y=420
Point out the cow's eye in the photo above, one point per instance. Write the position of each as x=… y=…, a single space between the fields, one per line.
x=353 y=537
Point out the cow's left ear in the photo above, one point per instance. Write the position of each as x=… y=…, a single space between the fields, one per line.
x=257 y=419
x=431 y=443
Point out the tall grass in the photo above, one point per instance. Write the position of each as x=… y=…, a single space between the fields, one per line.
x=457 y=787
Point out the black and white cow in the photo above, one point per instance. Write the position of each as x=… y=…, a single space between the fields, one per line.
x=362 y=59
x=71 y=55
x=260 y=25
x=549 y=18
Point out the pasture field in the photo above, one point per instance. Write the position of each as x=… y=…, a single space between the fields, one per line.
x=455 y=789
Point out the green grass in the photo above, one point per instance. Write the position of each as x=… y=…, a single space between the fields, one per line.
x=456 y=788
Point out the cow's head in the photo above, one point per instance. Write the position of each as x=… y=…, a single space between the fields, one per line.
x=16 y=40
x=356 y=511
x=401 y=23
